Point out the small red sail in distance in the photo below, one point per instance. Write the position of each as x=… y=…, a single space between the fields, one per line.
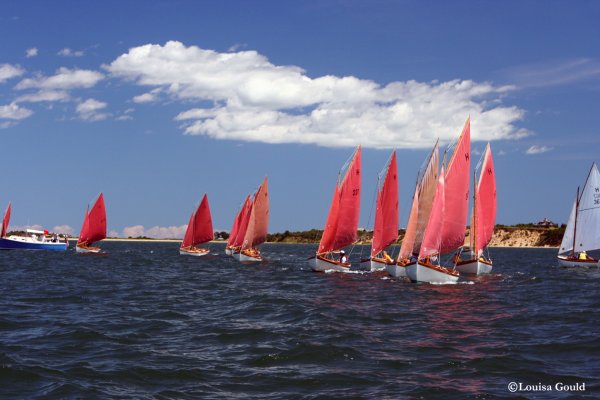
x=94 y=223
x=5 y=221
x=199 y=229
x=258 y=224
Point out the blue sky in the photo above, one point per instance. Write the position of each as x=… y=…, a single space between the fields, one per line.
x=156 y=102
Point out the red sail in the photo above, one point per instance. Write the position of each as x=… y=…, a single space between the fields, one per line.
x=189 y=232
x=83 y=233
x=94 y=225
x=385 y=231
x=244 y=220
x=5 y=221
x=347 y=226
x=328 y=237
x=485 y=202
x=258 y=225
x=236 y=223
x=408 y=242
x=457 y=193
x=427 y=186
x=199 y=229
x=203 y=227
x=433 y=232
x=342 y=221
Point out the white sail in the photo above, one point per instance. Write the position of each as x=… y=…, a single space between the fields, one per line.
x=587 y=236
x=566 y=246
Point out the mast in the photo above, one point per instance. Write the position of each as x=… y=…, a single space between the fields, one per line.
x=474 y=227
x=575 y=226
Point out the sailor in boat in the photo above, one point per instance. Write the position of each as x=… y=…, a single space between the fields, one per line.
x=387 y=257
x=583 y=256
x=343 y=258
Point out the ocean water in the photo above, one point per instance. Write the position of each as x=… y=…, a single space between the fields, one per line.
x=143 y=322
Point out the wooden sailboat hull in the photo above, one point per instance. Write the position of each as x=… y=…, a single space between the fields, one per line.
x=423 y=272
x=248 y=257
x=93 y=250
x=322 y=264
x=194 y=252
x=397 y=271
x=474 y=267
x=565 y=261
x=374 y=264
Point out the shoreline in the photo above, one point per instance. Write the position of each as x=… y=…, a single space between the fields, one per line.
x=292 y=243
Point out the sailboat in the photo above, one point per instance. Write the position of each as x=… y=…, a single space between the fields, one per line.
x=342 y=221
x=238 y=240
x=446 y=227
x=582 y=233
x=235 y=228
x=385 y=230
x=257 y=226
x=483 y=218
x=34 y=239
x=419 y=216
x=199 y=230
x=93 y=228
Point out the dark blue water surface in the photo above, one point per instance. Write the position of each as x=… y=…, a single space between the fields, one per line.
x=144 y=322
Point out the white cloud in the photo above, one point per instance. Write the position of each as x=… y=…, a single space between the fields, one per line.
x=89 y=110
x=156 y=232
x=553 y=73
x=14 y=111
x=32 y=52
x=255 y=100
x=44 y=95
x=535 y=149
x=14 y=228
x=64 y=79
x=8 y=71
x=113 y=234
x=65 y=229
x=67 y=52
x=147 y=97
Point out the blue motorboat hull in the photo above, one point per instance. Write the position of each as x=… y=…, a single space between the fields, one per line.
x=8 y=244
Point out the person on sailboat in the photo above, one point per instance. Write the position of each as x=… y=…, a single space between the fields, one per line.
x=343 y=258
x=583 y=255
x=387 y=256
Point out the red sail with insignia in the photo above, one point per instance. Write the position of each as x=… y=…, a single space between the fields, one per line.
x=457 y=181
x=237 y=222
x=485 y=203
x=342 y=222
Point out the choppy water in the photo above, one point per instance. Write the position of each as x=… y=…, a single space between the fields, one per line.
x=144 y=322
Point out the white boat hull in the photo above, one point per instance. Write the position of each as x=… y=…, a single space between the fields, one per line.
x=228 y=251
x=474 y=267
x=236 y=255
x=566 y=262
x=321 y=264
x=93 y=250
x=374 y=264
x=194 y=252
x=420 y=272
x=397 y=271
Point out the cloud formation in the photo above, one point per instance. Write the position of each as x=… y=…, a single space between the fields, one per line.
x=32 y=52
x=63 y=79
x=535 y=149
x=67 y=52
x=14 y=111
x=8 y=71
x=64 y=229
x=252 y=99
x=90 y=110
x=553 y=73
x=156 y=232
